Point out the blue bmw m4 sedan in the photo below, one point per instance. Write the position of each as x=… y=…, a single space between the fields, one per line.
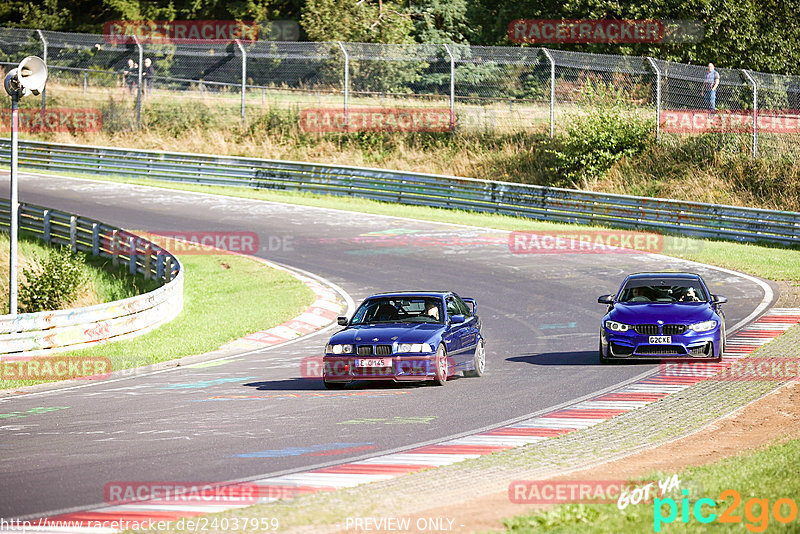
x=662 y=316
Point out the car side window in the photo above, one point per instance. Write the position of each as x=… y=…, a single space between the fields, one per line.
x=463 y=307
x=452 y=307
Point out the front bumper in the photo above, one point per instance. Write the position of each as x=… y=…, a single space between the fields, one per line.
x=403 y=369
x=689 y=345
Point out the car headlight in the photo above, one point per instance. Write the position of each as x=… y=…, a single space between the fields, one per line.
x=339 y=349
x=705 y=326
x=614 y=326
x=414 y=347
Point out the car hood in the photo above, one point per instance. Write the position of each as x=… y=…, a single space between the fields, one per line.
x=387 y=333
x=669 y=313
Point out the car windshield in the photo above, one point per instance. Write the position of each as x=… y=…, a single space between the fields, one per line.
x=399 y=310
x=667 y=291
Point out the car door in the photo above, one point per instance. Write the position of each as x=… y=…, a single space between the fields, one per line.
x=469 y=341
x=457 y=334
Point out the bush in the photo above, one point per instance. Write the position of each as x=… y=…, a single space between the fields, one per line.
x=52 y=283
x=596 y=140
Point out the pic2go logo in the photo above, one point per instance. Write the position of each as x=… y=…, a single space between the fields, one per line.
x=756 y=511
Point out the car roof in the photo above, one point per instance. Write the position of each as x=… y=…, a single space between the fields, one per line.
x=429 y=294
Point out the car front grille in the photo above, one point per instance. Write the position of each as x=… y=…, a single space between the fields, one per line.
x=646 y=329
x=660 y=349
x=378 y=350
x=673 y=329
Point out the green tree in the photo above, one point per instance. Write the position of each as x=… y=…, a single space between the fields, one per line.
x=441 y=21
x=360 y=21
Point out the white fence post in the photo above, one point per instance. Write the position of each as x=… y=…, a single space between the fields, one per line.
x=139 y=84
x=244 y=73
x=552 y=92
x=132 y=254
x=95 y=239
x=346 y=83
x=452 y=88
x=44 y=58
x=73 y=233
x=654 y=65
x=755 y=111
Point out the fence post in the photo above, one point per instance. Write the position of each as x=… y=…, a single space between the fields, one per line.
x=139 y=84
x=244 y=72
x=44 y=58
x=452 y=88
x=46 y=224
x=132 y=255
x=658 y=97
x=755 y=112
x=346 y=84
x=85 y=80
x=552 y=92
x=95 y=239
x=73 y=233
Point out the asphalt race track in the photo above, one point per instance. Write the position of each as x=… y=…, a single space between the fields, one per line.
x=255 y=415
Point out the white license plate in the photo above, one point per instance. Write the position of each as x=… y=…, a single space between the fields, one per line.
x=374 y=362
x=660 y=340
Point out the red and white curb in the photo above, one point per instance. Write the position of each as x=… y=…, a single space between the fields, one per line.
x=565 y=420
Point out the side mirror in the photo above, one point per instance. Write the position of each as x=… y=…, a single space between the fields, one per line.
x=718 y=299
x=342 y=321
x=458 y=318
x=606 y=299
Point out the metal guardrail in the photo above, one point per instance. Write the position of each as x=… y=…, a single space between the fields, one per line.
x=531 y=201
x=31 y=334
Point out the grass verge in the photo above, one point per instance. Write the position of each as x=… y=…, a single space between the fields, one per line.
x=214 y=289
x=765 y=472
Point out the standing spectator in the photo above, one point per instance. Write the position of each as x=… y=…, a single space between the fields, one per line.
x=710 y=88
x=130 y=76
x=149 y=75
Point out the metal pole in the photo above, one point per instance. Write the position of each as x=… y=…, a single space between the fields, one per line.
x=658 y=98
x=44 y=58
x=14 y=222
x=244 y=72
x=139 y=84
x=452 y=88
x=755 y=112
x=346 y=84
x=552 y=92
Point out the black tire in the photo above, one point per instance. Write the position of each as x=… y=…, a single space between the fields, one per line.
x=442 y=366
x=479 y=361
x=334 y=385
x=603 y=359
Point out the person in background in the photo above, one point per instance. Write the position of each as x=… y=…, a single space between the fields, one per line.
x=130 y=75
x=149 y=74
x=710 y=85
